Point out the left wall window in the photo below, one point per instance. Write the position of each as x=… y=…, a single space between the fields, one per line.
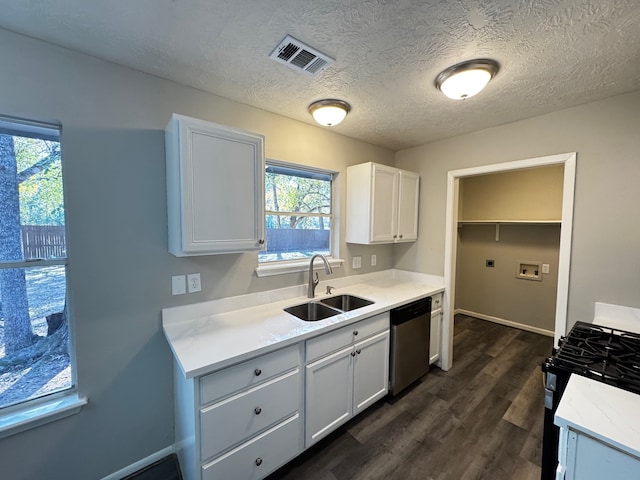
x=35 y=353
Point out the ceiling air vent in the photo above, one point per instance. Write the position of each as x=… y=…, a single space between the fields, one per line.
x=301 y=57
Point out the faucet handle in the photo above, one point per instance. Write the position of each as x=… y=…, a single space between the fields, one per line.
x=329 y=288
x=316 y=280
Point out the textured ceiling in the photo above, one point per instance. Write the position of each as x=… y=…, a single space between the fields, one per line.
x=553 y=54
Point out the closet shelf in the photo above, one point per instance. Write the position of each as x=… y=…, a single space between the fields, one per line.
x=510 y=222
x=497 y=223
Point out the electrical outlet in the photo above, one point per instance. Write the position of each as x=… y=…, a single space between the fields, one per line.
x=374 y=260
x=357 y=262
x=193 y=282
x=178 y=285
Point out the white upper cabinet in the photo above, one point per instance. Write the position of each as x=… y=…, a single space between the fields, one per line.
x=215 y=188
x=382 y=204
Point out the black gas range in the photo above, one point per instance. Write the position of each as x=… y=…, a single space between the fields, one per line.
x=601 y=353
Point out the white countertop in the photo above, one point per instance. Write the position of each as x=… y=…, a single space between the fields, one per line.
x=604 y=412
x=207 y=336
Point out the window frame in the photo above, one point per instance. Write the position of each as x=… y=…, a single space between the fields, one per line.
x=52 y=406
x=302 y=264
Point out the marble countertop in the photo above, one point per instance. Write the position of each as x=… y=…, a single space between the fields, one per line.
x=208 y=336
x=604 y=412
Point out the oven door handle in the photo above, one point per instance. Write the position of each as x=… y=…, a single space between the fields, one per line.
x=548 y=399
x=549 y=389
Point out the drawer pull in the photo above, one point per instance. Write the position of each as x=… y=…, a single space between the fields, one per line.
x=355 y=332
x=258 y=461
x=258 y=410
x=258 y=372
x=353 y=354
x=358 y=351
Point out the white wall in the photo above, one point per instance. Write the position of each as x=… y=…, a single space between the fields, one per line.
x=605 y=263
x=119 y=268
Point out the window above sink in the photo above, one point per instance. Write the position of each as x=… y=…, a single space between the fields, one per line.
x=299 y=218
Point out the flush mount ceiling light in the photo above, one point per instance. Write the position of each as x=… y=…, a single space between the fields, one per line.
x=329 y=112
x=465 y=79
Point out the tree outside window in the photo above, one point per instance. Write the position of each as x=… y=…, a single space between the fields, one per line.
x=34 y=328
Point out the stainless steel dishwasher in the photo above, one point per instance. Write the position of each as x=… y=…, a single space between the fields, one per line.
x=410 y=334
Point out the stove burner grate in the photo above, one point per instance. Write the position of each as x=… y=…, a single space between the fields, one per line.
x=601 y=353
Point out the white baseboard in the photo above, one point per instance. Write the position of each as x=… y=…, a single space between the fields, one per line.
x=140 y=464
x=508 y=323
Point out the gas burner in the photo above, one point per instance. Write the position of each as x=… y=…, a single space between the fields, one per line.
x=601 y=353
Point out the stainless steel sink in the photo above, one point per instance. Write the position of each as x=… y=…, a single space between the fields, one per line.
x=346 y=303
x=327 y=307
x=312 y=311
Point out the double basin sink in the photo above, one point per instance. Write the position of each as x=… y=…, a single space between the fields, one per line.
x=327 y=307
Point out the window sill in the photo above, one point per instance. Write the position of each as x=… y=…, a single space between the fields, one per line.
x=32 y=416
x=293 y=267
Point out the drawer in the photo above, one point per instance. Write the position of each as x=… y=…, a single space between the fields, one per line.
x=226 y=423
x=332 y=341
x=259 y=456
x=247 y=374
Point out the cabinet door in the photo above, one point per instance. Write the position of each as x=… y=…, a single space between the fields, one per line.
x=434 y=339
x=384 y=204
x=215 y=188
x=329 y=390
x=590 y=459
x=371 y=371
x=409 y=193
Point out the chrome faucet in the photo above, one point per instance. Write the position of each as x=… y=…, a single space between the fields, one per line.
x=311 y=290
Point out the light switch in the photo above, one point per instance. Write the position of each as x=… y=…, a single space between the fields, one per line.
x=374 y=260
x=178 y=285
x=545 y=268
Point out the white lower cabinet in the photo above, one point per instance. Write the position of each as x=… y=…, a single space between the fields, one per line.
x=245 y=421
x=582 y=457
x=345 y=373
x=370 y=371
x=329 y=394
x=242 y=422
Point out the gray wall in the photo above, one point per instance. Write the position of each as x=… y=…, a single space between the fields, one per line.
x=496 y=291
x=119 y=268
x=605 y=263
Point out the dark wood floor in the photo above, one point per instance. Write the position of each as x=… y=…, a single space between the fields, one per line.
x=480 y=420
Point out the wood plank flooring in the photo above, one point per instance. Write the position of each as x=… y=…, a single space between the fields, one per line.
x=480 y=420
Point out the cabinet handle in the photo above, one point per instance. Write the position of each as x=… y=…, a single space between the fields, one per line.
x=353 y=354
x=355 y=332
x=258 y=372
x=395 y=236
x=358 y=351
x=261 y=241
x=258 y=461
x=400 y=235
x=258 y=410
